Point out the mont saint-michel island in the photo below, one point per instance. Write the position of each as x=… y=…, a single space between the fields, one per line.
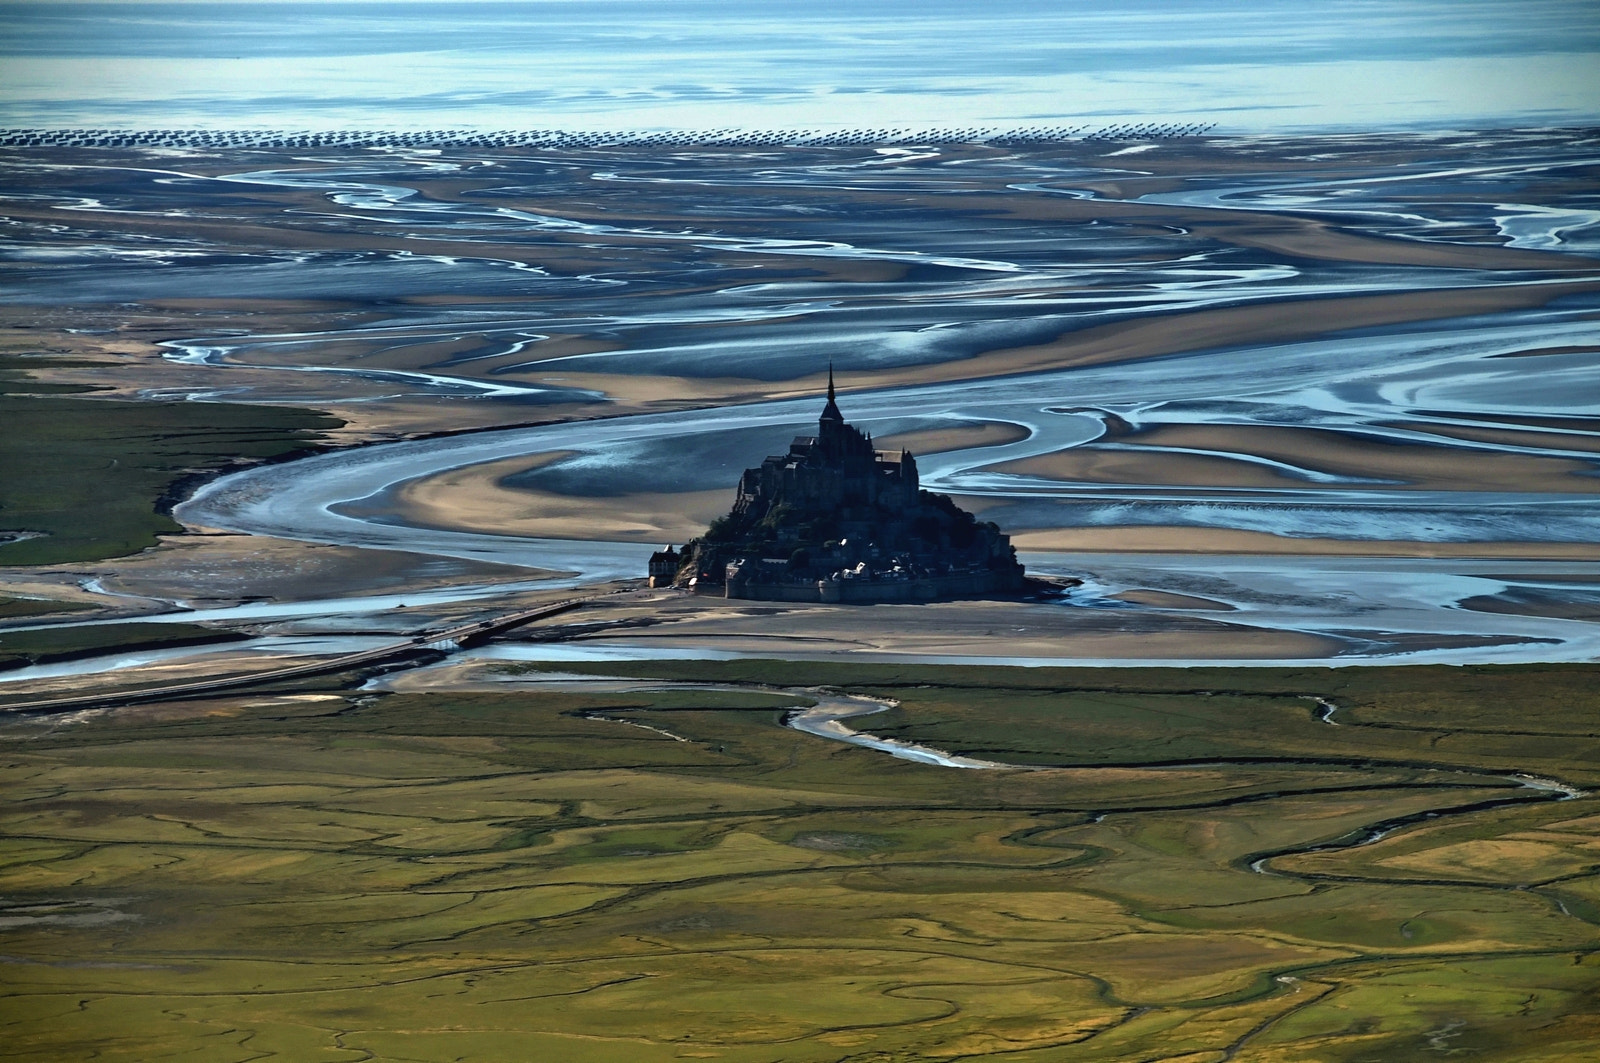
x=836 y=520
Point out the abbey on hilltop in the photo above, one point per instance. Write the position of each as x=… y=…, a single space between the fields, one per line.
x=835 y=520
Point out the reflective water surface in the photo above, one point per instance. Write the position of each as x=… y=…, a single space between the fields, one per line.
x=1333 y=345
x=1253 y=64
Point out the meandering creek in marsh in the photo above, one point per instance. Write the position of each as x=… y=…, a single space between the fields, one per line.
x=826 y=717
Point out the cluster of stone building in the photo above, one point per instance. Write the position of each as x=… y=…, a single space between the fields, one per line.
x=836 y=520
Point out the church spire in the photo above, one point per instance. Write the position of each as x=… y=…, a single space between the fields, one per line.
x=830 y=412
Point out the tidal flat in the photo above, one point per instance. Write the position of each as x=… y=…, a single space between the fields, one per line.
x=1265 y=350
x=640 y=861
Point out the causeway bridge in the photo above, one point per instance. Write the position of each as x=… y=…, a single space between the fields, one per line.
x=445 y=640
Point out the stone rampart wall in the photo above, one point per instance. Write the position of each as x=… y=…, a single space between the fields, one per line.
x=929 y=588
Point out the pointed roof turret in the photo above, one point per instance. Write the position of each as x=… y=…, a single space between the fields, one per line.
x=830 y=412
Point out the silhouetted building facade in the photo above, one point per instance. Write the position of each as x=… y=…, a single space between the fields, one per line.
x=664 y=566
x=836 y=520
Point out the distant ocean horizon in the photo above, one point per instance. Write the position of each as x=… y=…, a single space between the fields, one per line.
x=1249 y=66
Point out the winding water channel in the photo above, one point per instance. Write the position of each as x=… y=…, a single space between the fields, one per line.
x=351 y=497
x=1442 y=389
x=827 y=719
x=1462 y=419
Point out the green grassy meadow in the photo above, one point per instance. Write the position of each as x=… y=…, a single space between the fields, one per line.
x=42 y=645
x=510 y=876
x=23 y=608
x=86 y=476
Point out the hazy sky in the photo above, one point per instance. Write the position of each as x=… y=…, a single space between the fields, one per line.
x=1249 y=65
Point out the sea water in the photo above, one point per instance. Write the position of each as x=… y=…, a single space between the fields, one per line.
x=1249 y=65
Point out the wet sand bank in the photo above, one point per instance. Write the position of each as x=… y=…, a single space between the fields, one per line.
x=1224 y=348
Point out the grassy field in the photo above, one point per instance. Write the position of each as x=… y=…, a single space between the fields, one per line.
x=532 y=875
x=19 y=608
x=86 y=476
x=42 y=645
